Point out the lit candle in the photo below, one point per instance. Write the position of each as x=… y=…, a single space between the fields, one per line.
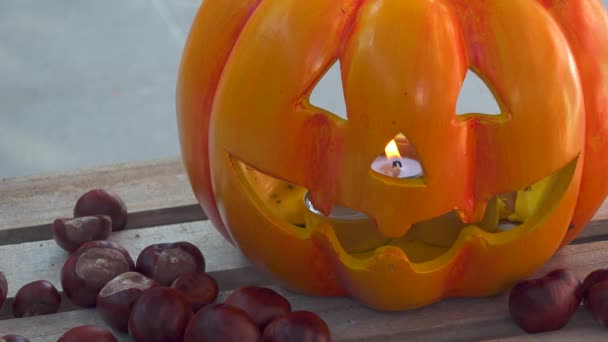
x=394 y=165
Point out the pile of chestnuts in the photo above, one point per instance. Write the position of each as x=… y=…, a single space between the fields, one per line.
x=164 y=295
x=548 y=303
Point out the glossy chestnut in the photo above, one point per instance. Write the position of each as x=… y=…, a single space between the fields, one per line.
x=165 y=262
x=546 y=303
x=90 y=268
x=36 y=298
x=3 y=289
x=298 y=326
x=160 y=314
x=73 y=233
x=261 y=303
x=592 y=278
x=597 y=302
x=116 y=298
x=13 y=338
x=222 y=322
x=200 y=289
x=103 y=202
x=87 y=333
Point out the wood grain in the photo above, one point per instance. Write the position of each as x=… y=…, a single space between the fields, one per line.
x=49 y=328
x=163 y=209
x=449 y=320
x=156 y=193
x=30 y=261
x=470 y=319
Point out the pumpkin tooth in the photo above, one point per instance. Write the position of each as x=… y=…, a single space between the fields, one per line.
x=321 y=202
x=391 y=228
x=473 y=213
x=471 y=232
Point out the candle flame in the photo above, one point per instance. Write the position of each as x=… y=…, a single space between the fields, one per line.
x=391 y=150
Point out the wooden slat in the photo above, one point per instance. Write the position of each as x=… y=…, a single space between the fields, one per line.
x=469 y=319
x=449 y=320
x=50 y=327
x=579 y=329
x=156 y=193
x=32 y=261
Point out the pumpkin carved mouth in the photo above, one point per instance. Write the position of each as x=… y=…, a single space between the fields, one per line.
x=507 y=216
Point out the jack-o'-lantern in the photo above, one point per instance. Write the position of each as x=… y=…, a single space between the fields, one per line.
x=294 y=186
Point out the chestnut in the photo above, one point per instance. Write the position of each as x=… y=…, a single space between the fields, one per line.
x=164 y=262
x=592 y=278
x=597 y=302
x=13 y=338
x=87 y=333
x=297 y=326
x=73 y=233
x=90 y=268
x=3 y=289
x=116 y=298
x=103 y=202
x=160 y=314
x=36 y=298
x=199 y=288
x=546 y=303
x=261 y=303
x=222 y=322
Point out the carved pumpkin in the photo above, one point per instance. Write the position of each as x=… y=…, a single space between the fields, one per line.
x=254 y=147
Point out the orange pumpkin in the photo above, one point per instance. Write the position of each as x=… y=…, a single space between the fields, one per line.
x=254 y=146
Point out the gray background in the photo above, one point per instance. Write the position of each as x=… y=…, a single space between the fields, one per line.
x=86 y=83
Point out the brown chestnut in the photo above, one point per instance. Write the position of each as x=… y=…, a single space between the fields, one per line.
x=200 y=289
x=261 y=303
x=13 y=338
x=160 y=314
x=87 y=333
x=222 y=322
x=592 y=278
x=546 y=303
x=597 y=302
x=116 y=298
x=164 y=262
x=36 y=298
x=297 y=326
x=103 y=202
x=3 y=289
x=90 y=268
x=73 y=233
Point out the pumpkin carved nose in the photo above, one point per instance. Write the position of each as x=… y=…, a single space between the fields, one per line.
x=399 y=159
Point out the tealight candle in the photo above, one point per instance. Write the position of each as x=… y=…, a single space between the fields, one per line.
x=392 y=164
x=398 y=167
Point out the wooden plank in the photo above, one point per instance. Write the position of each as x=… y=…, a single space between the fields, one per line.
x=581 y=327
x=32 y=261
x=50 y=327
x=449 y=320
x=460 y=319
x=156 y=193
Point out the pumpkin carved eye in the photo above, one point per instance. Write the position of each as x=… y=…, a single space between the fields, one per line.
x=328 y=93
x=476 y=97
